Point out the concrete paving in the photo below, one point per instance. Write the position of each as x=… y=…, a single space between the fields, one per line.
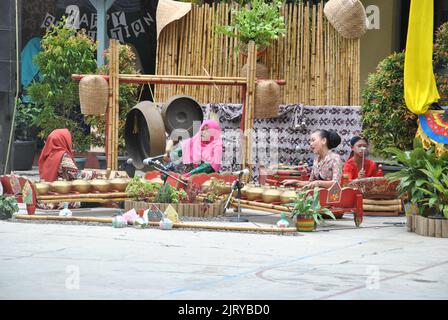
x=381 y=260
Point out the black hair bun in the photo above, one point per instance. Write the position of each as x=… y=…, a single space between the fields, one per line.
x=333 y=139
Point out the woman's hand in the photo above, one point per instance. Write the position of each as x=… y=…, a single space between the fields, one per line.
x=361 y=173
x=290 y=182
x=184 y=177
x=313 y=184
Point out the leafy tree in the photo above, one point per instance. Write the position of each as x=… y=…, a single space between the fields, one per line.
x=386 y=120
x=64 y=52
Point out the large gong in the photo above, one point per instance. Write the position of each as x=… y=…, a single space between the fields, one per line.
x=180 y=112
x=144 y=133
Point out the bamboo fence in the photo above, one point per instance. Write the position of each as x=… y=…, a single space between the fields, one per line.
x=320 y=66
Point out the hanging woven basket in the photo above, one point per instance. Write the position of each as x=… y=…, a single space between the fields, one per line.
x=348 y=17
x=261 y=73
x=93 y=94
x=267 y=99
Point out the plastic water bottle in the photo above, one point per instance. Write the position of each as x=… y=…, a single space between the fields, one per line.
x=283 y=223
x=66 y=212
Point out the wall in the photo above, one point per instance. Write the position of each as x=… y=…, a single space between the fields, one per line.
x=377 y=44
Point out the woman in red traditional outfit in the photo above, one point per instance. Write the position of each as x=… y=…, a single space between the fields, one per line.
x=57 y=159
x=354 y=167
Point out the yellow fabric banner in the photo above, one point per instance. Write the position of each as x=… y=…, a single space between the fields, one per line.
x=420 y=89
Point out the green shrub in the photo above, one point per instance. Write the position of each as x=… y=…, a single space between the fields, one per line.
x=64 y=52
x=386 y=120
x=441 y=62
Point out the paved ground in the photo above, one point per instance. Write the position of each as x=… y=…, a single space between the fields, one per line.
x=379 y=261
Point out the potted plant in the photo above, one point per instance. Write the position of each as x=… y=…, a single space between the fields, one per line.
x=435 y=189
x=422 y=170
x=24 y=136
x=308 y=210
x=8 y=206
x=258 y=21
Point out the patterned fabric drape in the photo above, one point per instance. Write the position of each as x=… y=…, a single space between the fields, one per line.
x=284 y=140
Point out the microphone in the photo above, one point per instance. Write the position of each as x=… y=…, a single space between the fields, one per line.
x=151 y=160
x=241 y=172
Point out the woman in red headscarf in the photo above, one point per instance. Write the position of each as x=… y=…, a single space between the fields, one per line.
x=57 y=159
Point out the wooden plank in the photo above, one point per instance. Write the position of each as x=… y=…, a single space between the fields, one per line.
x=431 y=227
x=438 y=228
x=445 y=228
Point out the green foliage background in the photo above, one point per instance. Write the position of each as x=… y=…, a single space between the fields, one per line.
x=65 y=52
x=386 y=120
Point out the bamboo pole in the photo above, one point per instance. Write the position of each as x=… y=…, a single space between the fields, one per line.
x=382 y=202
x=251 y=207
x=116 y=103
x=83 y=195
x=369 y=207
x=263 y=205
x=249 y=105
x=99 y=200
x=156 y=224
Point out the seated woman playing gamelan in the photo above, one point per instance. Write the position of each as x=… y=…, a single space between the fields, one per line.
x=57 y=162
x=327 y=165
x=200 y=154
x=354 y=167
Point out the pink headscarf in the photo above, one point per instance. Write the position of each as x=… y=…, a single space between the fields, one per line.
x=195 y=151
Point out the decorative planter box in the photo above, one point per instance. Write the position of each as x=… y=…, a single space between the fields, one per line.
x=427 y=227
x=183 y=209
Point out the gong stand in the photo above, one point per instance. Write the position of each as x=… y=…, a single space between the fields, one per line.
x=247 y=83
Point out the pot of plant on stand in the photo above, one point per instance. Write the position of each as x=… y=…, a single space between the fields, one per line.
x=8 y=206
x=258 y=21
x=308 y=211
x=25 y=135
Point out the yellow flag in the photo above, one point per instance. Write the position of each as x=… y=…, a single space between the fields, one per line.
x=420 y=89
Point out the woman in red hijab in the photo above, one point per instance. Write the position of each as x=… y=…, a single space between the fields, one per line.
x=57 y=159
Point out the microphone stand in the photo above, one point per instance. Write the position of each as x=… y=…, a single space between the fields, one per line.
x=237 y=185
x=164 y=170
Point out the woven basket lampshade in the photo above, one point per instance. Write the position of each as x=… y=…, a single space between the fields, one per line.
x=262 y=71
x=93 y=94
x=267 y=99
x=348 y=17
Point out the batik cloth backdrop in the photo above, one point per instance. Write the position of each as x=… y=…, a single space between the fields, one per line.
x=284 y=139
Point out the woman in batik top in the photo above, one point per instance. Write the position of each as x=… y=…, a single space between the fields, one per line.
x=327 y=165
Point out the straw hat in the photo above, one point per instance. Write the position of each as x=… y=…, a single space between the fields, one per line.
x=169 y=11
x=348 y=17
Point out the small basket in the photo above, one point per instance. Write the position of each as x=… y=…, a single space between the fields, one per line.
x=267 y=99
x=262 y=71
x=93 y=94
x=348 y=17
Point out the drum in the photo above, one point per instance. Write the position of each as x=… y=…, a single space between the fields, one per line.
x=376 y=187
